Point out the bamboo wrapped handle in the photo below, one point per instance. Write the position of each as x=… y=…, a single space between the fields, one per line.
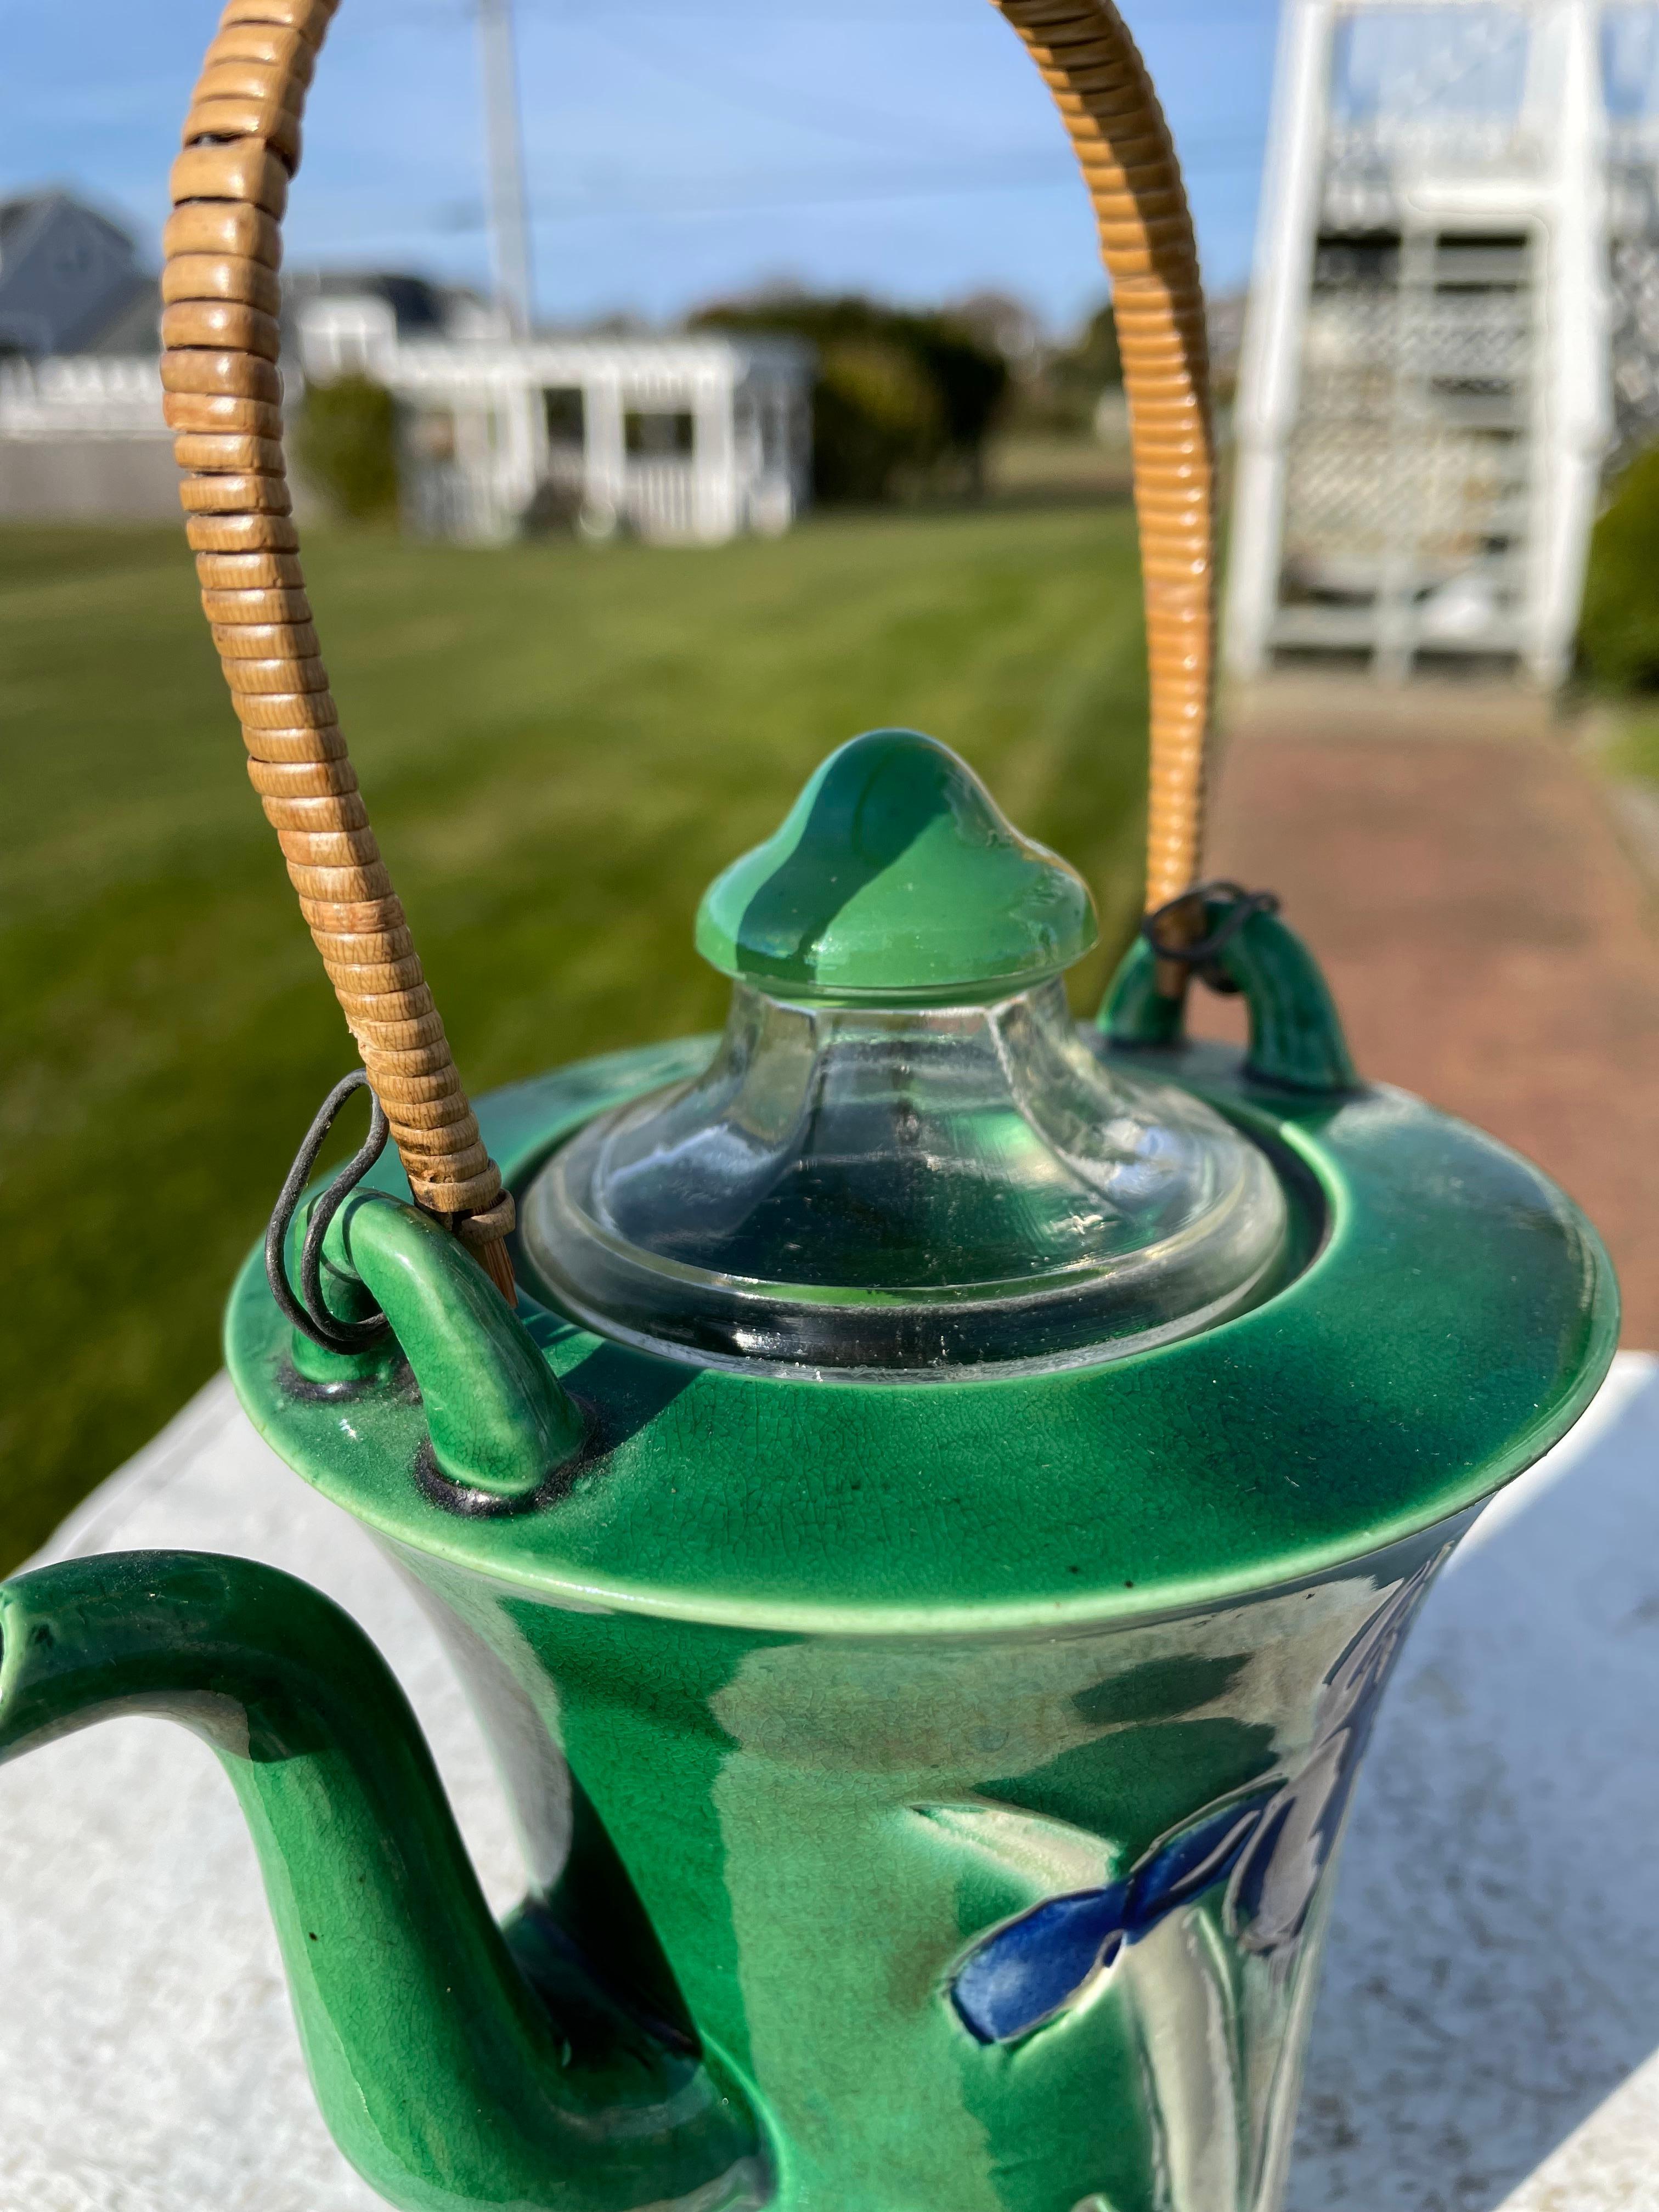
x=224 y=398
x=1123 y=146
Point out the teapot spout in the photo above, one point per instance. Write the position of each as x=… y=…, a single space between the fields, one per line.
x=450 y=2073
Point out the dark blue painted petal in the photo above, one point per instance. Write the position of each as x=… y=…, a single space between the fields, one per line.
x=1028 y=1969
x=1190 y=1863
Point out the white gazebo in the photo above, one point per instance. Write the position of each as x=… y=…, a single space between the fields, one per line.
x=1453 y=326
x=691 y=439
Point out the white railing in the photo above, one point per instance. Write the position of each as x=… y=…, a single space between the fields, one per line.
x=659 y=499
x=85 y=396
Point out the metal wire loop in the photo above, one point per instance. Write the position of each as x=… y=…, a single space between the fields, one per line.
x=1202 y=954
x=308 y=1310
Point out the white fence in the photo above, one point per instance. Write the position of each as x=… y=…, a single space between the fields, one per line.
x=87 y=397
x=83 y=439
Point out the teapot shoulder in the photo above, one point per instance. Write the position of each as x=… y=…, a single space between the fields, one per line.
x=1447 y=1316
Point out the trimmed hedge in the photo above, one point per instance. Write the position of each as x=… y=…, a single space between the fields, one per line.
x=347 y=446
x=1618 y=632
x=875 y=420
x=901 y=400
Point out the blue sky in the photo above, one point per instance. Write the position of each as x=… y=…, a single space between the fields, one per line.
x=676 y=150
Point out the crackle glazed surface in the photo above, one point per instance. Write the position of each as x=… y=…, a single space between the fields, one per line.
x=960 y=1766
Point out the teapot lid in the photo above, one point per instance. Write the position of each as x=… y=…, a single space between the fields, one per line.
x=896 y=879
x=903 y=1160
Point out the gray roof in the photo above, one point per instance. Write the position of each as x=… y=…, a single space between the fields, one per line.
x=69 y=278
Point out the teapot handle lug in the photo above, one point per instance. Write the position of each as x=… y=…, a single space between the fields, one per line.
x=499 y=1422
x=1296 y=1042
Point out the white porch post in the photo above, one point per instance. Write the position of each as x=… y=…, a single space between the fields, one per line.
x=476 y=459
x=604 y=446
x=517 y=402
x=713 y=454
x=1565 y=94
x=1269 y=368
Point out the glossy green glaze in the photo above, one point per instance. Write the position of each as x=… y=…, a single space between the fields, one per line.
x=853 y=1676
x=930 y=1783
x=497 y=1421
x=1295 y=1035
x=895 y=880
x=1455 y=1318
x=823 y=1828
x=458 y=2065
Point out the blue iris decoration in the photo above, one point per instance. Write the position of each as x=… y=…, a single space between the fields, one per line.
x=1278 y=1841
x=1023 y=1974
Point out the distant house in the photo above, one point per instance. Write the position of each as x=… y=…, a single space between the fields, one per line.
x=81 y=430
x=338 y=322
x=692 y=439
x=82 y=439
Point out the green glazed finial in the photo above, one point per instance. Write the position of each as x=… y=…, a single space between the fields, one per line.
x=895 y=880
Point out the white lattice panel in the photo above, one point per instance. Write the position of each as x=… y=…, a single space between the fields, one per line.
x=1410 y=455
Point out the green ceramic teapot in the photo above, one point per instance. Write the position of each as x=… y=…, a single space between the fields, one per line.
x=926 y=1547
x=924 y=1497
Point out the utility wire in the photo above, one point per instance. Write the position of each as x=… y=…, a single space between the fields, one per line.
x=613 y=195
x=878 y=196
x=1185 y=15
x=691 y=198
x=753 y=96
x=1181 y=14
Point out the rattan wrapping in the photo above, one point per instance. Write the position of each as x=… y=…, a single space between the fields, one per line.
x=241 y=144
x=1106 y=99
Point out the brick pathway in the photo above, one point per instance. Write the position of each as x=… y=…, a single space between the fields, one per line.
x=1490 y=940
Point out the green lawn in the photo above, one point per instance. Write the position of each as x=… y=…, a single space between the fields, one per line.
x=1632 y=745
x=559 y=746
